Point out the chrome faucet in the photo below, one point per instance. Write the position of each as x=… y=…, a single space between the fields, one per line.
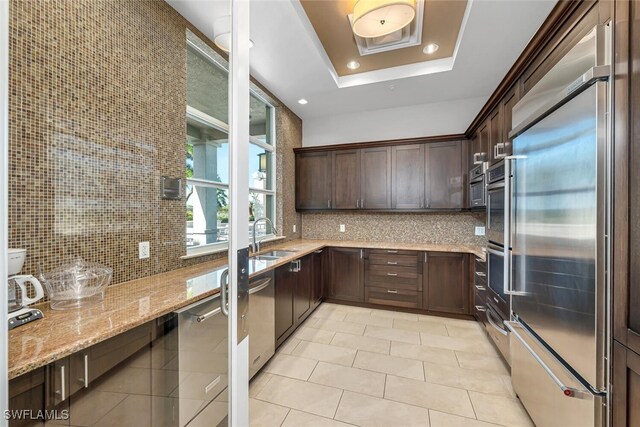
x=255 y=246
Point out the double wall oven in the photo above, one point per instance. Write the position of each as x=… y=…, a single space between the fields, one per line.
x=498 y=308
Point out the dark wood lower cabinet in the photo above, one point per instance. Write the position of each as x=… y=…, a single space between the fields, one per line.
x=284 y=294
x=446 y=282
x=121 y=381
x=303 y=291
x=346 y=281
x=318 y=275
x=626 y=387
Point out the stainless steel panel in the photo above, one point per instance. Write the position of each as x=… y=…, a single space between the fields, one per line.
x=202 y=357
x=578 y=61
x=552 y=396
x=262 y=343
x=557 y=231
x=495 y=280
x=497 y=331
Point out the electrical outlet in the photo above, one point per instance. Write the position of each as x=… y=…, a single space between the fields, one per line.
x=143 y=250
x=295 y=227
x=342 y=228
x=479 y=231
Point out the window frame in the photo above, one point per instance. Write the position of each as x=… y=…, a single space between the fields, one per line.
x=207 y=120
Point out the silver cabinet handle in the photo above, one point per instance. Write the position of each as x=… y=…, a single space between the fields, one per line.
x=361 y=253
x=86 y=371
x=392 y=291
x=392 y=274
x=480 y=288
x=329 y=204
x=209 y=315
x=392 y=252
x=481 y=274
x=357 y=203
x=318 y=252
x=263 y=284
x=480 y=308
x=479 y=260
x=493 y=323
x=63 y=387
x=224 y=288
x=392 y=262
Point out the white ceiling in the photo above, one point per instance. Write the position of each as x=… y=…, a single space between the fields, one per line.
x=287 y=60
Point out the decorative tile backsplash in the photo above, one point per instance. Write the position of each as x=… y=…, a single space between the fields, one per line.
x=97 y=116
x=396 y=227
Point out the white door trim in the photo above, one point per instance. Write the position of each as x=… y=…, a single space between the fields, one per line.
x=4 y=225
x=239 y=205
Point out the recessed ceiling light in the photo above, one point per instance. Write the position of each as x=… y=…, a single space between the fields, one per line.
x=302 y=101
x=353 y=65
x=430 y=48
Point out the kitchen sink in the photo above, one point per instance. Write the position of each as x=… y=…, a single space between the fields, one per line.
x=272 y=255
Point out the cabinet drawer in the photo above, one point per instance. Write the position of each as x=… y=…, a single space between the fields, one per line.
x=393 y=296
x=480 y=265
x=392 y=276
x=391 y=252
x=394 y=259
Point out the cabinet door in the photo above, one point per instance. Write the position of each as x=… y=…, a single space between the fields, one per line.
x=285 y=285
x=443 y=175
x=303 y=289
x=482 y=142
x=346 y=179
x=407 y=176
x=313 y=180
x=495 y=135
x=509 y=101
x=446 y=282
x=375 y=179
x=27 y=392
x=347 y=274
x=318 y=277
x=626 y=386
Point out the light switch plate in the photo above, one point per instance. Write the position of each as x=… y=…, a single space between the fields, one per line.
x=342 y=228
x=143 y=250
x=295 y=227
x=480 y=231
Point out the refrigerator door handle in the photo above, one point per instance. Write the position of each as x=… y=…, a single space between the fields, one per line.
x=566 y=390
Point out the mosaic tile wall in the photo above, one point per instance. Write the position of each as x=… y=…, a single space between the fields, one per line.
x=396 y=227
x=97 y=116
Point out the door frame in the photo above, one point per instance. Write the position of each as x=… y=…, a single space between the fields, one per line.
x=238 y=414
x=4 y=180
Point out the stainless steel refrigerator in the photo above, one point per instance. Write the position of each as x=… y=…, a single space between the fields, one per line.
x=556 y=267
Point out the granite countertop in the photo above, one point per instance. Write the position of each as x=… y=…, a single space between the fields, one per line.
x=130 y=304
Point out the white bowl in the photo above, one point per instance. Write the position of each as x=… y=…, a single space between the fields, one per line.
x=16 y=260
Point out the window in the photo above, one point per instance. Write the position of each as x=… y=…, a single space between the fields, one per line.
x=207 y=153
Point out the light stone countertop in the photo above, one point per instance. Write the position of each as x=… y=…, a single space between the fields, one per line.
x=130 y=304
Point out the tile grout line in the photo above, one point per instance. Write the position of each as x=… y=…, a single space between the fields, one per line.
x=337 y=406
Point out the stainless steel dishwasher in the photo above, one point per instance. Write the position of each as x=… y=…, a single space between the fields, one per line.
x=262 y=340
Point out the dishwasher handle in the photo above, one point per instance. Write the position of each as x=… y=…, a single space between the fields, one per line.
x=262 y=285
x=201 y=318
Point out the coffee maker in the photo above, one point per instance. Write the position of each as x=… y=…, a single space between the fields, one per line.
x=19 y=299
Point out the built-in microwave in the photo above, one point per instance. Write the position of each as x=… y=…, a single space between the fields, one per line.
x=477 y=196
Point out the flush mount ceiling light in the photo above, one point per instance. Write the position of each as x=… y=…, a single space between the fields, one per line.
x=430 y=48
x=376 y=18
x=222 y=33
x=302 y=101
x=353 y=65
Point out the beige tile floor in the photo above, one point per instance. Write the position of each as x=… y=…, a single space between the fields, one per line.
x=350 y=366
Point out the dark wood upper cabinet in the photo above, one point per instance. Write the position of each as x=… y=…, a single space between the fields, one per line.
x=446 y=282
x=346 y=280
x=346 y=179
x=508 y=102
x=443 y=175
x=375 y=182
x=482 y=143
x=495 y=136
x=313 y=180
x=407 y=176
